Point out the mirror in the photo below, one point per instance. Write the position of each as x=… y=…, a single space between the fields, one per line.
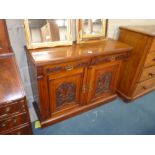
x=92 y=26
x=88 y=29
x=48 y=32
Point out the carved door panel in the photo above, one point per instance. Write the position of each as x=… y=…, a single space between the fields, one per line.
x=102 y=81
x=65 y=90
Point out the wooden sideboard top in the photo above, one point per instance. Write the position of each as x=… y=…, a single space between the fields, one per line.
x=77 y=51
x=10 y=85
x=144 y=29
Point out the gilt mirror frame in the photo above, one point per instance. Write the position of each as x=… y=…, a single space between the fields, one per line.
x=85 y=38
x=31 y=45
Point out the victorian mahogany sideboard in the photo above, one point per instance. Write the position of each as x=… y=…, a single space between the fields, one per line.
x=137 y=75
x=69 y=80
x=14 y=115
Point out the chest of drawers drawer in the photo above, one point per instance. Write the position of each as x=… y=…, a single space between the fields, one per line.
x=145 y=86
x=13 y=122
x=150 y=60
x=22 y=130
x=147 y=73
x=12 y=108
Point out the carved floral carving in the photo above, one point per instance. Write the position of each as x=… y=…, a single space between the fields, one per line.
x=103 y=83
x=63 y=68
x=65 y=93
x=110 y=58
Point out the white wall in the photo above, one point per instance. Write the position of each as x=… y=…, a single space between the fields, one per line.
x=113 y=25
x=17 y=38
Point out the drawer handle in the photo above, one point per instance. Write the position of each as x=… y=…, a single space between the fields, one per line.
x=7 y=109
x=19 y=133
x=112 y=58
x=144 y=87
x=153 y=59
x=15 y=121
x=3 y=125
x=4 y=115
x=22 y=108
x=151 y=74
x=69 y=67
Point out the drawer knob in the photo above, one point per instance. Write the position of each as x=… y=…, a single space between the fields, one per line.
x=112 y=58
x=144 y=87
x=15 y=121
x=69 y=67
x=19 y=133
x=22 y=108
x=3 y=125
x=7 y=109
x=151 y=74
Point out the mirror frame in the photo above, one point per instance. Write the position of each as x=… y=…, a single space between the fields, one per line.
x=31 y=45
x=85 y=38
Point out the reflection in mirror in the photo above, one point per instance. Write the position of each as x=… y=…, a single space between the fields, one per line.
x=97 y=25
x=92 y=26
x=49 y=30
x=90 y=30
x=86 y=26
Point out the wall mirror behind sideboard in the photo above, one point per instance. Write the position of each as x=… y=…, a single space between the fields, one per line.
x=48 y=32
x=90 y=29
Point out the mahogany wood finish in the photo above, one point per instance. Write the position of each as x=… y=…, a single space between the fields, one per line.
x=4 y=39
x=137 y=73
x=14 y=115
x=69 y=80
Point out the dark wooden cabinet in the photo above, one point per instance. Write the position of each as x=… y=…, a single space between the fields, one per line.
x=14 y=115
x=69 y=80
x=137 y=75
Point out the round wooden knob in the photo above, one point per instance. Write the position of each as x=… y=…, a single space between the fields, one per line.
x=3 y=125
x=15 y=121
x=19 y=133
x=7 y=109
x=144 y=87
x=151 y=74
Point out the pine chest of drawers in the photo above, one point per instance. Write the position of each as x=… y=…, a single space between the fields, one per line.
x=138 y=72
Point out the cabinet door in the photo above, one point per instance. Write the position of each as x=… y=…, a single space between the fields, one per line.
x=65 y=90
x=102 y=80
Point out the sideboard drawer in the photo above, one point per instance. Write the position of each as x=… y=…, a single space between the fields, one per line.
x=147 y=73
x=69 y=66
x=110 y=58
x=12 y=122
x=145 y=86
x=12 y=108
x=150 y=60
